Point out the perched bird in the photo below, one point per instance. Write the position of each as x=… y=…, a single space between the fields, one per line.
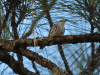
x=57 y=29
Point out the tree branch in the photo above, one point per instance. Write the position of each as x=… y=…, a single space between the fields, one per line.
x=47 y=41
x=64 y=59
x=16 y=66
x=40 y=60
x=17 y=45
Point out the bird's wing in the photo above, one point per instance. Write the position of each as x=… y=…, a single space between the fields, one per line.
x=55 y=31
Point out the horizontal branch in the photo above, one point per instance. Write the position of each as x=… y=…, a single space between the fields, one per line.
x=47 y=41
x=18 y=46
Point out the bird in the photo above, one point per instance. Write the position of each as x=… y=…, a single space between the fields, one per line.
x=57 y=29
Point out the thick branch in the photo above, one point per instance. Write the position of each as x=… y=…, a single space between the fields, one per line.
x=15 y=65
x=40 y=60
x=12 y=46
x=47 y=41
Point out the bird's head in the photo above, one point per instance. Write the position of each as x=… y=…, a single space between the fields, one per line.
x=62 y=22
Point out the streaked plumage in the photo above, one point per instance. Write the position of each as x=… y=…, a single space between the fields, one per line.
x=57 y=29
